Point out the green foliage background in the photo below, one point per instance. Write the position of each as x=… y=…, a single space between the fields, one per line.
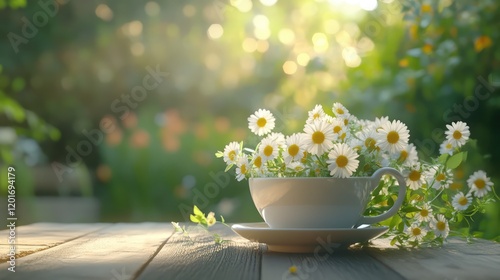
x=423 y=62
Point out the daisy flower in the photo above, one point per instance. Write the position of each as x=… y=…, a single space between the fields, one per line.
x=479 y=183
x=393 y=136
x=231 y=152
x=316 y=114
x=258 y=165
x=242 y=167
x=446 y=148
x=339 y=110
x=319 y=137
x=439 y=177
x=295 y=166
x=407 y=156
x=424 y=214
x=339 y=129
x=365 y=124
x=458 y=133
x=295 y=148
x=211 y=219
x=261 y=122
x=416 y=232
x=380 y=122
x=268 y=149
x=342 y=161
x=278 y=138
x=414 y=178
x=368 y=138
x=461 y=202
x=440 y=226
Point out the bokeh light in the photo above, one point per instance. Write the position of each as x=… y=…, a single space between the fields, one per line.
x=215 y=31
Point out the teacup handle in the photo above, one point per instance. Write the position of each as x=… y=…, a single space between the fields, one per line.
x=397 y=204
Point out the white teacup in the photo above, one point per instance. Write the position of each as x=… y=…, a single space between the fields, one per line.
x=320 y=202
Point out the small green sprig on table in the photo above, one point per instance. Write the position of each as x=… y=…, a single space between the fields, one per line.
x=202 y=221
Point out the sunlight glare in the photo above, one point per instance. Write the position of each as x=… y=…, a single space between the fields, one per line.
x=268 y=2
x=242 y=5
x=320 y=42
x=286 y=36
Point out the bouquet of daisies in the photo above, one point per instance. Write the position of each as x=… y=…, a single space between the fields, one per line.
x=341 y=145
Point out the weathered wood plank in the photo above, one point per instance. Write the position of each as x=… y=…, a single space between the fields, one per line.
x=455 y=260
x=40 y=236
x=337 y=264
x=201 y=258
x=114 y=252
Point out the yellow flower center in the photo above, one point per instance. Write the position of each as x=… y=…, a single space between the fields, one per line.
x=346 y=121
x=340 y=111
x=416 y=231
x=403 y=155
x=316 y=116
x=440 y=177
x=268 y=151
x=341 y=161
x=449 y=146
x=243 y=169
x=337 y=128
x=392 y=137
x=427 y=48
x=424 y=212
x=457 y=135
x=426 y=8
x=414 y=175
x=258 y=162
x=261 y=122
x=293 y=150
x=318 y=137
x=480 y=183
x=304 y=158
x=370 y=142
x=441 y=226
x=482 y=42
x=463 y=201
x=232 y=155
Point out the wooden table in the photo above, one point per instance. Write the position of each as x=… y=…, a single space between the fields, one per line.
x=154 y=251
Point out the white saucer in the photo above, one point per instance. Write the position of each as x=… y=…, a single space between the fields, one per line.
x=298 y=240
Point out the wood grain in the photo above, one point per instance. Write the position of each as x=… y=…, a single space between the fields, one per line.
x=113 y=252
x=40 y=236
x=201 y=258
x=341 y=264
x=455 y=260
x=154 y=251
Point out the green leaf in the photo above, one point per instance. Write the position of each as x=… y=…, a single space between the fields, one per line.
x=228 y=167
x=442 y=158
x=222 y=219
x=197 y=211
x=219 y=154
x=396 y=219
x=444 y=197
x=455 y=160
x=410 y=209
x=18 y=84
x=393 y=241
x=194 y=219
